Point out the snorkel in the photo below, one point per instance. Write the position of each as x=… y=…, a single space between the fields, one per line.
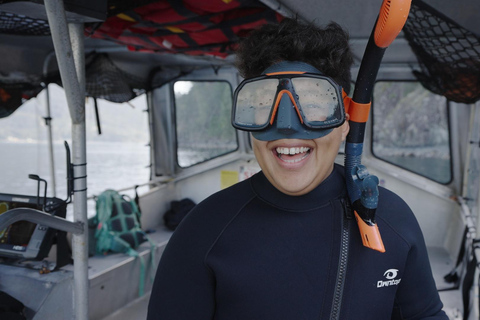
x=362 y=187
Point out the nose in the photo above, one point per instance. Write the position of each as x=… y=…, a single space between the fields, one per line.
x=287 y=118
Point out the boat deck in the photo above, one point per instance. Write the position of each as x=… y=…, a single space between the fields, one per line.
x=442 y=264
x=137 y=309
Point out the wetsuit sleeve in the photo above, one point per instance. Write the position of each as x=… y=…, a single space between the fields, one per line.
x=184 y=286
x=417 y=297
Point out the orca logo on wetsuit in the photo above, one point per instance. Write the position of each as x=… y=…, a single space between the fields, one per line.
x=390 y=275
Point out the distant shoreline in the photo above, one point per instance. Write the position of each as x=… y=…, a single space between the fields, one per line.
x=438 y=152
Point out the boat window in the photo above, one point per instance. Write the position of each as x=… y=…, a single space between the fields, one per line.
x=117 y=158
x=410 y=129
x=202 y=113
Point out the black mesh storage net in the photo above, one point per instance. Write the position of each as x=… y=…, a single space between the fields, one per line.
x=449 y=55
x=15 y=24
x=107 y=81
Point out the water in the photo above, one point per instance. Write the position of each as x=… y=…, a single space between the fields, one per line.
x=431 y=162
x=110 y=165
x=434 y=168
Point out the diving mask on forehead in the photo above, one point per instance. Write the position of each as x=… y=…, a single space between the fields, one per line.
x=291 y=100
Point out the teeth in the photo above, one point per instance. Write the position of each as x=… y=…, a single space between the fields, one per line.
x=295 y=160
x=292 y=151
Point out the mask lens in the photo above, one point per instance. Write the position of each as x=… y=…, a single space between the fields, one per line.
x=319 y=101
x=254 y=102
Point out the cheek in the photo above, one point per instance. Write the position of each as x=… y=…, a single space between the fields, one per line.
x=260 y=150
x=345 y=127
x=327 y=147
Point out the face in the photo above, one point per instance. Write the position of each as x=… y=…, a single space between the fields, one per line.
x=296 y=166
x=294 y=158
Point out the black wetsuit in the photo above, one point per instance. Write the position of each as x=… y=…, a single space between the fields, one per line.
x=252 y=252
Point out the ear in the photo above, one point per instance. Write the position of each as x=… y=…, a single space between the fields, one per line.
x=345 y=127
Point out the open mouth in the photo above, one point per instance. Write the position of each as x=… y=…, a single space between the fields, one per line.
x=292 y=155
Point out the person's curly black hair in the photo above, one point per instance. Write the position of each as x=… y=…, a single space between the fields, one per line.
x=327 y=49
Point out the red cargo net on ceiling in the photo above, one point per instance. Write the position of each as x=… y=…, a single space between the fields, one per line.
x=209 y=27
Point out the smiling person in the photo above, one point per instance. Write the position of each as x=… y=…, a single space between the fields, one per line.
x=284 y=244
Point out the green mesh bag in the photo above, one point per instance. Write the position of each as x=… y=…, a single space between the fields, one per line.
x=118 y=229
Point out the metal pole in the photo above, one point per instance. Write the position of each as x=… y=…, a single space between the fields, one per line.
x=279 y=7
x=79 y=155
x=75 y=94
x=63 y=50
x=48 y=122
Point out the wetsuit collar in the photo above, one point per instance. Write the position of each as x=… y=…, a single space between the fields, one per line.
x=331 y=188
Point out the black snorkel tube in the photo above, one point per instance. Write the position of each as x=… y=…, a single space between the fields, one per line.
x=361 y=186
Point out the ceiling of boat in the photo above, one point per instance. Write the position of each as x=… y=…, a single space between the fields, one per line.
x=24 y=56
x=358 y=17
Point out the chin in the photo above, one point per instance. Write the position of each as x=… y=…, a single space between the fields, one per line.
x=295 y=190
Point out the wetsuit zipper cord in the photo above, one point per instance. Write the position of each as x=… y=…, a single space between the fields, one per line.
x=342 y=267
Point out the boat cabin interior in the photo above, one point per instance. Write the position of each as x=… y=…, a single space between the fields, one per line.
x=87 y=66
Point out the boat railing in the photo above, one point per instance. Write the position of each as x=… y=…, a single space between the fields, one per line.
x=39 y=217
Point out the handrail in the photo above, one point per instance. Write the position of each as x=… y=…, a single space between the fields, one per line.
x=39 y=217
